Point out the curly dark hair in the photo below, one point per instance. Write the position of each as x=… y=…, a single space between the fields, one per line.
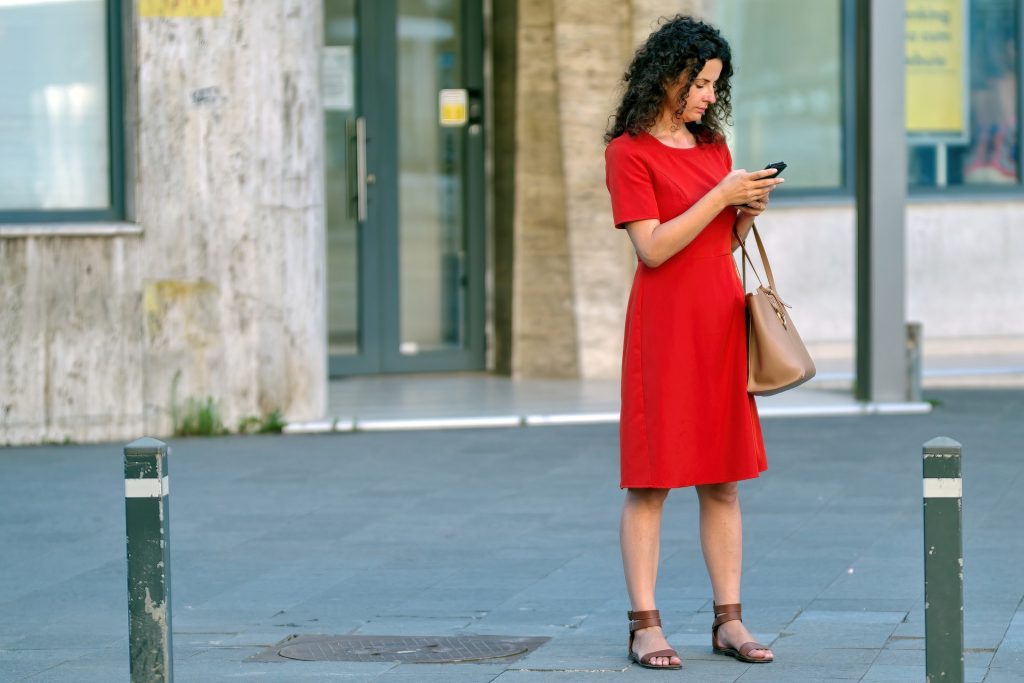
x=682 y=45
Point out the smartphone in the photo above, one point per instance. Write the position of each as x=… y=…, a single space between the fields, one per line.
x=779 y=167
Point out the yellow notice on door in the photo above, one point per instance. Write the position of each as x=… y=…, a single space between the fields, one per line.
x=936 y=68
x=181 y=8
x=453 y=106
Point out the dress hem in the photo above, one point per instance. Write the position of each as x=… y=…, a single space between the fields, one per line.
x=696 y=483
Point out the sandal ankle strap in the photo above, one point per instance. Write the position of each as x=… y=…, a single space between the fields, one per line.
x=727 y=613
x=643 y=619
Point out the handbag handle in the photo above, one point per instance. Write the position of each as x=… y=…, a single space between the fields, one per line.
x=764 y=259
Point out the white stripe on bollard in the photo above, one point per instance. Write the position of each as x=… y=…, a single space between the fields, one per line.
x=147 y=488
x=943 y=488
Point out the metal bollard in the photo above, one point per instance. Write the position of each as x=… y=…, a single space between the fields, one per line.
x=943 y=562
x=146 y=500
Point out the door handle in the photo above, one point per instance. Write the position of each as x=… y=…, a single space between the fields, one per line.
x=361 y=203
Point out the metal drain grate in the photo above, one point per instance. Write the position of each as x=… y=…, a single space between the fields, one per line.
x=407 y=649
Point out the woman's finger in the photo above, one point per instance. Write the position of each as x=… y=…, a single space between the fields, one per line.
x=769 y=183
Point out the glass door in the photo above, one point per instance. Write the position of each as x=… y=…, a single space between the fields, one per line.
x=351 y=342
x=405 y=262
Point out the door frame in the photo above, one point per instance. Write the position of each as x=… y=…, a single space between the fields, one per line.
x=379 y=288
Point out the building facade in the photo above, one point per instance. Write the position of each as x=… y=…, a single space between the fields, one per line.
x=235 y=200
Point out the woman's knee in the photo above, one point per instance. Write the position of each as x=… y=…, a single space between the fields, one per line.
x=724 y=494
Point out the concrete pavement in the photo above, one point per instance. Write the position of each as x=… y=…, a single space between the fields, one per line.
x=511 y=532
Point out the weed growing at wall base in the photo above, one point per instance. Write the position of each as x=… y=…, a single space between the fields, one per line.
x=274 y=423
x=200 y=417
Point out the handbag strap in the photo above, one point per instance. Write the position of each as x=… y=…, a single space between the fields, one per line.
x=764 y=259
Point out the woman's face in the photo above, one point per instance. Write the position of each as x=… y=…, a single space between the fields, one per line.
x=701 y=94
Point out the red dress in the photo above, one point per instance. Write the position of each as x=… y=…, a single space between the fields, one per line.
x=686 y=415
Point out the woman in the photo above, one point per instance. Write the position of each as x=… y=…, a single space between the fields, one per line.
x=687 y=419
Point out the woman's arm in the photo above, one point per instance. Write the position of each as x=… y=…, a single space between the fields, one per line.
x=657 y=242
x=745 y=218
x=743 y=222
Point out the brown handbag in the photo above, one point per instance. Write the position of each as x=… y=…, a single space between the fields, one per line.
x=776 y=356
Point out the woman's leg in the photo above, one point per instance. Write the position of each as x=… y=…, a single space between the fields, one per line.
x=721 y=538
x=639 y=534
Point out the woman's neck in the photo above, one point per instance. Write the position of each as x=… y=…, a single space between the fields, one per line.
x=672 y=132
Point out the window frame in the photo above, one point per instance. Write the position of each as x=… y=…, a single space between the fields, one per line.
x=115 y=211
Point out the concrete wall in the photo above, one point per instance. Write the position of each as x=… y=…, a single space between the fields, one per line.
x=962 y=277
x=222 y=293
x=543 y=324
x=71 y=334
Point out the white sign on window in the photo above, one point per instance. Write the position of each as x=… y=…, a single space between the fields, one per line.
x=337 y=82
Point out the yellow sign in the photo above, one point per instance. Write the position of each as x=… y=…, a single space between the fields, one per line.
x=936 y=68
x=452 y=107
x=181 y=8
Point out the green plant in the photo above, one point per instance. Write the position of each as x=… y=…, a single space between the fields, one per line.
x=274 y=423
x=199 y=417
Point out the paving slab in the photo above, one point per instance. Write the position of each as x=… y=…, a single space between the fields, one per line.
x=511 y=532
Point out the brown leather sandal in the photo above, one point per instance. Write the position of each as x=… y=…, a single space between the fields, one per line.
x=647 y=619
x=725 y=614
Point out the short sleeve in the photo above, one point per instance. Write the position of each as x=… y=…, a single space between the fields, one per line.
x=727 y=156
x=629 y=183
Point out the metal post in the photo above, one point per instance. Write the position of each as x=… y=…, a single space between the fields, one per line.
x=146 y=501
x=915 y=339
x=943 y=562
x=881 y=189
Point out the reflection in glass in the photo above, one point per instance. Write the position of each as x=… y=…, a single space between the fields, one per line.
x=786 y=90
x=431 y=233
x=990 y=155
x=54 y=127
x=338 y=72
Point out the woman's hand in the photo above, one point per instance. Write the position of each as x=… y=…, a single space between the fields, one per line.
x=755 y=207
x=740 y=187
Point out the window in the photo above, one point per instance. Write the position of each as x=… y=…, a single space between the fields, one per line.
x=59 y=118
x=983 y=149
x=787 y=87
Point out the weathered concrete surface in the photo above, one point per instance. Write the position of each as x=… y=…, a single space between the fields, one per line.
x=71 y=335
x=590 y=42
x=230 y=192
x=223 y=295
x=543 y=325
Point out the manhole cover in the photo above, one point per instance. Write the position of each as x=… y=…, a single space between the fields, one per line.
x=408 y=649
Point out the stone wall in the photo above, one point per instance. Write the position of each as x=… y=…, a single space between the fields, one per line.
x=544 y=339
x=71 y=334
x=222 y=293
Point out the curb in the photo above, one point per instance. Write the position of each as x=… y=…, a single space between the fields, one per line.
x=343 y=425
